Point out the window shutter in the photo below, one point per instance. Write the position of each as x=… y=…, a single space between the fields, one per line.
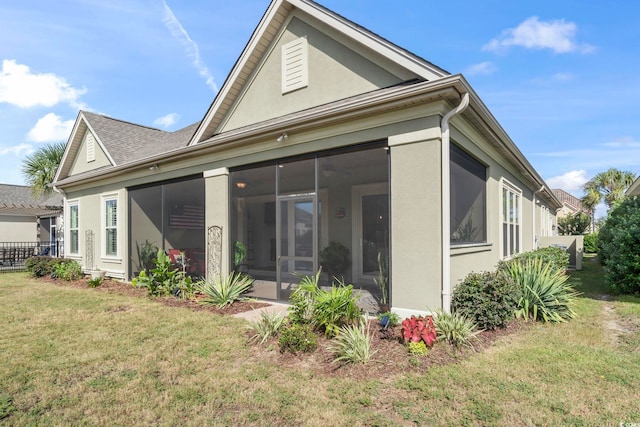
x=295 y=66
x=91 y=148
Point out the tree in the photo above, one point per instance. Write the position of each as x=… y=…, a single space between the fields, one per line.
x=39 y=168
x=572 y=225
x=609 y=185
x=619 y=243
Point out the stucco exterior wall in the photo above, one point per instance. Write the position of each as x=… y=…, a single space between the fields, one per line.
x=217 y=214
x=335 y=72
x=17 y=228
x=416 y=212
x=91 y=218
x=80 y=163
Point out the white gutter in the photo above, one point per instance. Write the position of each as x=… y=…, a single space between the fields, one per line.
x=533 y=215
x=446 y=202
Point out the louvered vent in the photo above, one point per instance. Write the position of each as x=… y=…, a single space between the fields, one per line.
x=295 y=66
x=91 y=148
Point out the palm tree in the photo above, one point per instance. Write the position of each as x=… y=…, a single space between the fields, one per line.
x=609 y=185
x=39 y=168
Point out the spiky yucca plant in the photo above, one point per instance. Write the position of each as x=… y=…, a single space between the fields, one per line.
x=353 y=343
x=223 y=291
x=454 y=328
x=266 y=326
x=546 y=295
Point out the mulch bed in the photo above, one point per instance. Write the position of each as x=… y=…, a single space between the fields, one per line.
x=391 y=357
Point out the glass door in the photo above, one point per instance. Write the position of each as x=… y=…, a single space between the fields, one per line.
x=297 y=240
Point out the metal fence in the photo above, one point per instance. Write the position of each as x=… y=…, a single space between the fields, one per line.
x=14 y=254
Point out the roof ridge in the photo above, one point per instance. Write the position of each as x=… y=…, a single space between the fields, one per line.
x=125 y=121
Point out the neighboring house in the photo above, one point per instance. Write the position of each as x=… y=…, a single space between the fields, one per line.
x=27 y=220
x=634 y=189
x=322 y=132
x=570 y=205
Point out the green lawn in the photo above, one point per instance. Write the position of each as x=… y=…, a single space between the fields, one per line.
x=79 y=357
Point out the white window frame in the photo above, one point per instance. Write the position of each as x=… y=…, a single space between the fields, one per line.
x=512 y=222
x=105 y=198
x=73 y=204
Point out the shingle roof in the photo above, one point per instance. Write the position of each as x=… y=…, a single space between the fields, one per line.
x=569 y=199
x=18 y=200
x=128 y=142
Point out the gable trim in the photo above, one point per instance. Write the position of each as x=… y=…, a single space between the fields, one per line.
x=73 y=145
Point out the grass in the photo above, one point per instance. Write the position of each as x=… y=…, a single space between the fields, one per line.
x=82 y=357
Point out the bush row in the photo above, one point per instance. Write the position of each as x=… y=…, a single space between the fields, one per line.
x=531 y=285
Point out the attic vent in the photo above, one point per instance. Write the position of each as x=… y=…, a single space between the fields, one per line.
x=91 y=148
x=295 y=65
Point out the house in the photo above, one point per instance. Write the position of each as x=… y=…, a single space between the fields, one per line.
x=324 y=134
x=28 y=221
x=634 y=189
x=571 y=205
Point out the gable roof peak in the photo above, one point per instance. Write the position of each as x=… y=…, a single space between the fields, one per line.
x=270 y=27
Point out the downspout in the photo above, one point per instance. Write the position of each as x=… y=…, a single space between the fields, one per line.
x=446 y=202
x=533 y=210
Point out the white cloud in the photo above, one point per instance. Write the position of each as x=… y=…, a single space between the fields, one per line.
x=623 y=142
x=167 y=121
x=557 y=35
x=571 y=182
x=483 y=68
x=51 y=128
x=17 y=150
x=193 y=51
x=22 y=88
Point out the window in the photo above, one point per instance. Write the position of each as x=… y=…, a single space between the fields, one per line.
x=468 y=198
x=511 y=219
x=73 y=228
x=111 y=227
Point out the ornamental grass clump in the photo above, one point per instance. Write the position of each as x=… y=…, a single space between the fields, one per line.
x=266 y=326
x=224 y=291
x=353 y=343
x=455 y=328
x=546 y=295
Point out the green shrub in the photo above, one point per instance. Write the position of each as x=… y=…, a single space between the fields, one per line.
x=334 y=308
x=303 y=298
x=163 y=279
x=67 y=270
x=418 y=348
x=297 y=337
x=620 y=247
x=557 y=258
x=266 y=326
x=223 y=291
x=488 y=299
x=454 y=328
x=591 y=243
x=39 y=266
x=94 y=283
x=353 y=344
x=546 y=295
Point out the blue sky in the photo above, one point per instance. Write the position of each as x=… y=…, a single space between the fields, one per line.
x=560 y=76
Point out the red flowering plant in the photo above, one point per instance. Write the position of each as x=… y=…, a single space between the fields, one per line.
x=416 y=329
